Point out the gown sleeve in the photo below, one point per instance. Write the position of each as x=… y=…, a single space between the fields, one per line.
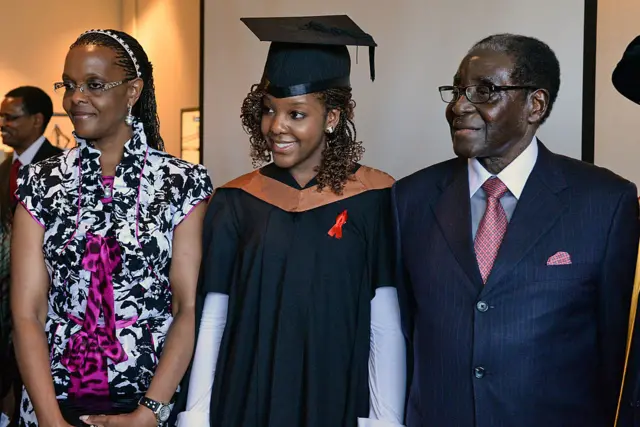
x=220 y=243
x=387 y=352
x=380 y=248
x=212 y=324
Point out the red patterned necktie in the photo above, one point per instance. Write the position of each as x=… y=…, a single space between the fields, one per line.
x=13 y=180
x=492 y=227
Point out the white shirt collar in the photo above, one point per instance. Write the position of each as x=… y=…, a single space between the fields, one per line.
x=514 y=176
x=27 y=156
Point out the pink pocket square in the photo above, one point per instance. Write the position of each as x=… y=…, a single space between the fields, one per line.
x=560 y=258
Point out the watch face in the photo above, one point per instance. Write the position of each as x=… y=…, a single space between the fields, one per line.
x=164 y=413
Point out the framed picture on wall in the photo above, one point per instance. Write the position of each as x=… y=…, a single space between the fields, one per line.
x=59 y=131
x=190 y=135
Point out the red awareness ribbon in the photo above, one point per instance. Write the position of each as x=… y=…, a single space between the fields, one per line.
x=336 y=230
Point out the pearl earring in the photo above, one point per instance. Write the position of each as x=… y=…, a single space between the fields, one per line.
x=330 y=129
x=129 y=118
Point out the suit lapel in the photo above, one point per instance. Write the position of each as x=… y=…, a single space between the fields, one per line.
x=5 y=197
x=537 y=211
x=5 y=170
x=453 y=213
x=46 y=150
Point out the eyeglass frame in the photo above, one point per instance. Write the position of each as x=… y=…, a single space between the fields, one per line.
x=83 y=86
x=492 y=89
x=11 y=117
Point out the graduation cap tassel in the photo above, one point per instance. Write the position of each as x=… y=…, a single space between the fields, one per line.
x=372 y=60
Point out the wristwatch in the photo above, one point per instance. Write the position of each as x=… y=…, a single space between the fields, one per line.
x=161 y=410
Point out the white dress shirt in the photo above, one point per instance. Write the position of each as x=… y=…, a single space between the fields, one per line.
x=27 y=156
x=514 y=176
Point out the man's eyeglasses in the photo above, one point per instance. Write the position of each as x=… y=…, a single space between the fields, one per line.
x=89 y=88
x=476 y=94
x=10 y=117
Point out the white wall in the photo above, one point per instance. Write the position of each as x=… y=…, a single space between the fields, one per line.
x=617 y=140
x=169 y=31
x=36 y=35
x=400 y=116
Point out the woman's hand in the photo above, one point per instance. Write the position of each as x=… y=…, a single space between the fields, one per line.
x=141 y=417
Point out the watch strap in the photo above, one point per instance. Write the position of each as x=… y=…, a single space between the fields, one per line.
x=151 y=404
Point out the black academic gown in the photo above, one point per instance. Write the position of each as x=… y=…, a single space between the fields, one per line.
x=295 y=348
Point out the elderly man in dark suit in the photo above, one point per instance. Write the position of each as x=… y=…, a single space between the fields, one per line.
x=24 y=115
x=517 y=263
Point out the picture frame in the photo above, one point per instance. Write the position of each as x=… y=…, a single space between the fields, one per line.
x=60 y=131
x=190 y=145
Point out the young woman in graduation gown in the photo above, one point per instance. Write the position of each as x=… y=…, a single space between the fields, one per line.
x=300 y=324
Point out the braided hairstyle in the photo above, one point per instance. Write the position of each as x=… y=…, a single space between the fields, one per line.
x=341 y=152
x=145 y=109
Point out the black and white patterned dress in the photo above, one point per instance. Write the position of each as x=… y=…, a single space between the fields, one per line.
x=152 y=193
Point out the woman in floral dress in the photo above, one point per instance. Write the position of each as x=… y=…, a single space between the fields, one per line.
x=106 y=252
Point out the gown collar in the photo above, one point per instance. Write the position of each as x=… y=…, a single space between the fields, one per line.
x=284 y=176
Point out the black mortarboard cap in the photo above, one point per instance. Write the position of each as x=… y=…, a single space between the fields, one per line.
x=626 y=76
x=309 y=53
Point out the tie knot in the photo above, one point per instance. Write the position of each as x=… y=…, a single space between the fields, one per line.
x=494 y=188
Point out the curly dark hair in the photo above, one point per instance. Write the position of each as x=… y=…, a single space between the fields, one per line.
x=535 y=63
x=342 y=150
x=145 y=109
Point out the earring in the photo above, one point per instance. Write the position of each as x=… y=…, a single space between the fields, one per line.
x=329 y=132
x=129 y=118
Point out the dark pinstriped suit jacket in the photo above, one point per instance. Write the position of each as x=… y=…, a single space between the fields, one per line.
x=538 y=345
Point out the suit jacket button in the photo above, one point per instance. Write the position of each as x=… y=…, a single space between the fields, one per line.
x=482 y=306
x=479 y=372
